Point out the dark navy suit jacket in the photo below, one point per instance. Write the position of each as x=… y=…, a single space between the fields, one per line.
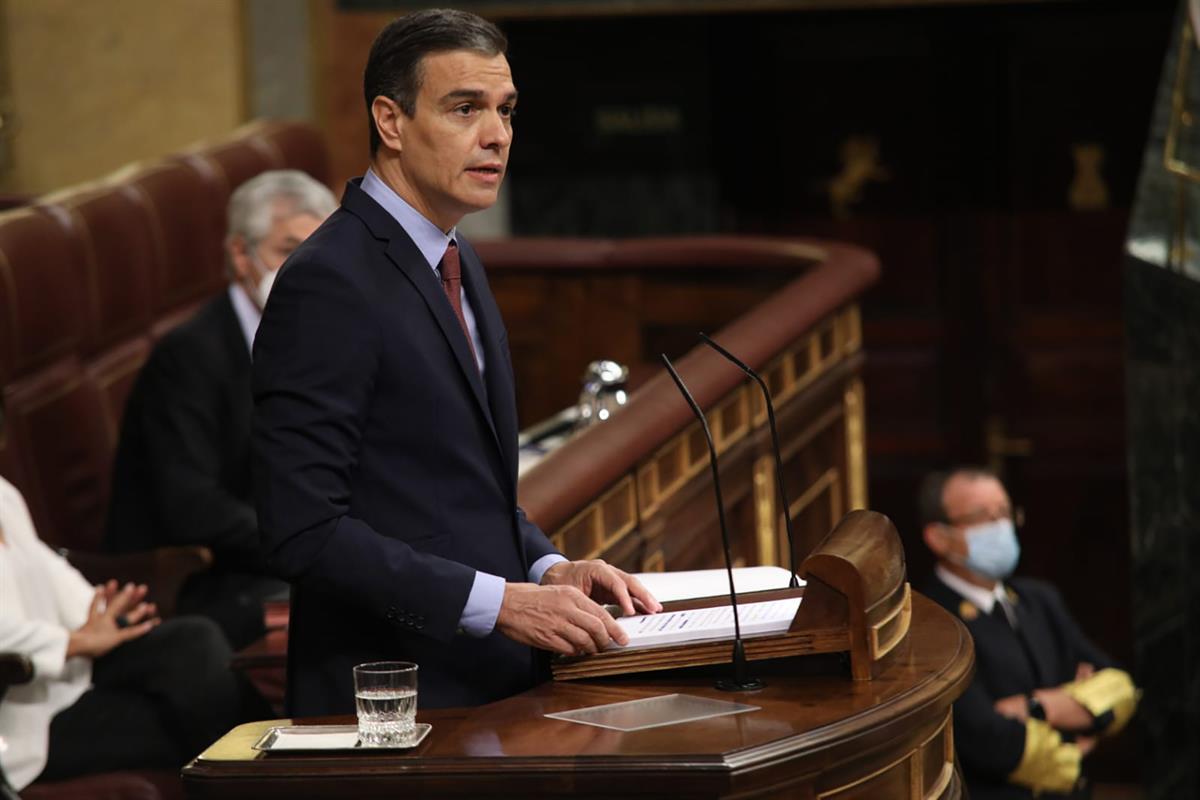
x=385 y=466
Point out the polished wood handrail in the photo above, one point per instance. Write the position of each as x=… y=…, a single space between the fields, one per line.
x=574 y=475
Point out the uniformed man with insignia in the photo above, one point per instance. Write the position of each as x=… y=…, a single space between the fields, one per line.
x=1042 y=692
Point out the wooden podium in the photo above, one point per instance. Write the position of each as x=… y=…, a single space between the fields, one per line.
x=856 y=601
x=818 y=734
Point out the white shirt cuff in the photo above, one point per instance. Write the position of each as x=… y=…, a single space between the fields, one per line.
x=483 y=605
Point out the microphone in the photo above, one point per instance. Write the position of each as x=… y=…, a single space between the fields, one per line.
x=787 y=517
x=741 y=681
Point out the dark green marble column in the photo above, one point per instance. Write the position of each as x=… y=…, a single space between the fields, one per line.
x=1162 y=314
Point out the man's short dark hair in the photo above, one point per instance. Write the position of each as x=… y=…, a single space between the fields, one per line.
x=933 y=486
x=394 y=67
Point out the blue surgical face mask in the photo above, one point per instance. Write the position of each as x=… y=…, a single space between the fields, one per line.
x=992 y=549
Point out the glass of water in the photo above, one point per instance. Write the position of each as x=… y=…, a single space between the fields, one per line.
x=385 y=693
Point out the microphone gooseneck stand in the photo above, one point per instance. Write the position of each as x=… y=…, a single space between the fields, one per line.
x=740 y=681
x=794 y=583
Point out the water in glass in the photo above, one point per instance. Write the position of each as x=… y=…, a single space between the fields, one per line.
x=385 y=693
x=386 y=717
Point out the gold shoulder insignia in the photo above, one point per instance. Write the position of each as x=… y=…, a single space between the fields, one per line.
x=967 y=611
x=1012 y=596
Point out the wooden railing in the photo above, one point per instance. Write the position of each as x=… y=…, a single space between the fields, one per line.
x=635 y=490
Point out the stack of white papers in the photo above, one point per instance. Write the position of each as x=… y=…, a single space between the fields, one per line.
x=650 y=630
x=667 y=586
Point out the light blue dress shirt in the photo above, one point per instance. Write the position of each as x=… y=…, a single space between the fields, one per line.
x=487 y=592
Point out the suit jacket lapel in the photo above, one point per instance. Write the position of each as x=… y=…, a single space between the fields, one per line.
x=408 y=259
x=497 y=372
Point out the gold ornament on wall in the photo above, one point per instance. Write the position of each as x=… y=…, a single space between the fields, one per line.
x=860 y=165
x=1087 y=191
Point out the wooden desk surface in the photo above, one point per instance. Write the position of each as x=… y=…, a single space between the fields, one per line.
x=816 y=735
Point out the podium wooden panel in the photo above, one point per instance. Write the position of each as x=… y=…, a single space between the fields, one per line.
x=818 y=735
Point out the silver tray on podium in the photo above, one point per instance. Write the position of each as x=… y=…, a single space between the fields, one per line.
x=328 y=739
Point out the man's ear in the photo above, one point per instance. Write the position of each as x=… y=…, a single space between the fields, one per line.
x=389 y=121
x=935 y=539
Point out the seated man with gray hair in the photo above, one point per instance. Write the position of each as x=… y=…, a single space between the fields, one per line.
x=182 y=470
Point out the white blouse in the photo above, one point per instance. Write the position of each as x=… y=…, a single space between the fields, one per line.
x=42 y=599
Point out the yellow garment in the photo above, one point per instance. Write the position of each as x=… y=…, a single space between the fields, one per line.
x=1107 y=690
x=1048 y=764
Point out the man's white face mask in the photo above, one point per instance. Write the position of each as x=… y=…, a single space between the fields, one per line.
x=263 y=288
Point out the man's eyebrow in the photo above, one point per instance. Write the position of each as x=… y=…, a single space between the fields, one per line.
x=474 y=94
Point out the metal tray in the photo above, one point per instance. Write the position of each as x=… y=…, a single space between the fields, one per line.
x=326 y=738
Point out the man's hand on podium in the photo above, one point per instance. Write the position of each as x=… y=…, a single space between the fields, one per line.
x=563 y=615
x=557 y=618
x=604 y=583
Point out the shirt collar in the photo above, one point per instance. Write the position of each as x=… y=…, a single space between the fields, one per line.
x=428 y=237
x=247 y=312
x=979 y=597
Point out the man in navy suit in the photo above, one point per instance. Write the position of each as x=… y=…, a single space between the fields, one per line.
x=385 y=424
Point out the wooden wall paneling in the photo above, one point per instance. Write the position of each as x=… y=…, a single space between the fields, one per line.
x=918 y=409
x=687 y=524
x=560 y=320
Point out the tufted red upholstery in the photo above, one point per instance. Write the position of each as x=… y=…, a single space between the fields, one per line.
x=40 y=303
x=186 y=218
x=113 y=232
x=297 y=146
x=89 y=277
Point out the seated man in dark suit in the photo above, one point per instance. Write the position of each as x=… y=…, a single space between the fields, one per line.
x=1042 y=692
x=182 y=471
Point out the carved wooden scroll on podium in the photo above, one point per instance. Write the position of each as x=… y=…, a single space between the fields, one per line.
x=857 y=578
x=857 y=601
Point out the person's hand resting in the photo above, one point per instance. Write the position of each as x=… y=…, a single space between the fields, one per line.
x=1063 y=712
x=560 y=616
x=117 y=615
x=1014 y=707
x=603 y=583
x=557 y=618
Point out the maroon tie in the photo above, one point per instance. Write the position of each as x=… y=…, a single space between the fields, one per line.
x=452 y=285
